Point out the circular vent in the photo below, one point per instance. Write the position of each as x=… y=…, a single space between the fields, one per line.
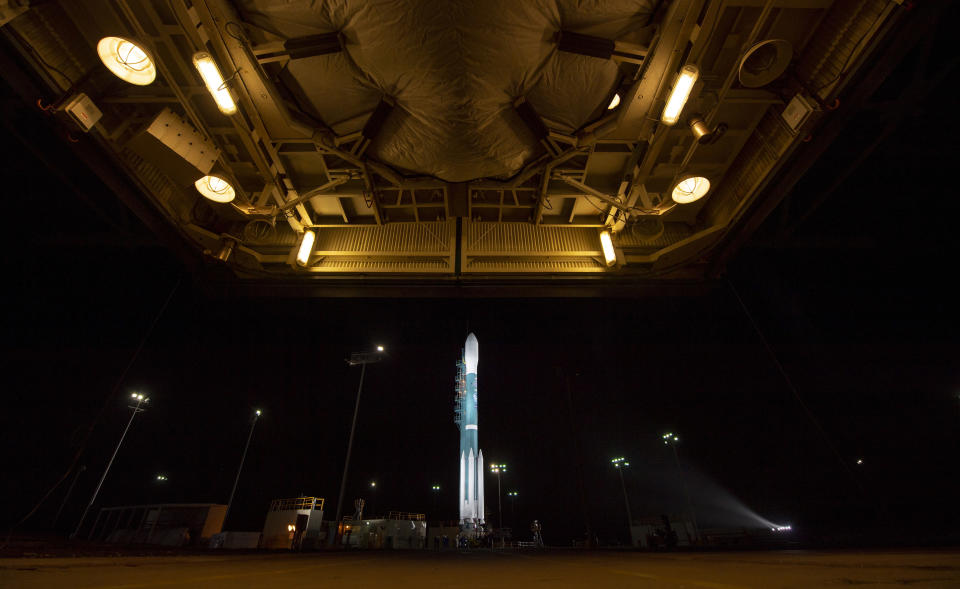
x=765 y=62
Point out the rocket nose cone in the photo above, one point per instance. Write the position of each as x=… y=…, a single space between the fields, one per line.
x=471 y=353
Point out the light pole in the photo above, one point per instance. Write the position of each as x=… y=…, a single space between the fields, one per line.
x=671 y=439
x=140 y=400
x=513 y=516
x=435 y=491
x=361 y=359
x=373 y=496
x=620 y=464
x=498 y=468
x=243 y=457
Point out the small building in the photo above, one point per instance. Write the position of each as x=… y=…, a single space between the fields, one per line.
x=293 y=523
x=166 y=524
x=398 y=531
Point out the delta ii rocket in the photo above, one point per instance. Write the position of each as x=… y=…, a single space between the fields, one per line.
x=471 y=458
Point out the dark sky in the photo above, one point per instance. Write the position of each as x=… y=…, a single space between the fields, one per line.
x=858 y=304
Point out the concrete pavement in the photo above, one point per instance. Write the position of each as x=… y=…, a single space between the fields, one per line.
x=550 y=568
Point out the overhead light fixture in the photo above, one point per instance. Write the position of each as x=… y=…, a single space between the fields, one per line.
x=127 y=60
x=699 y=127
x=606 y=244
x=226 y=249
x=216 y=188
x=306 y=247
x=703 y=133
x=614 y=103
x=214 y=81
x=690 y=189
x=678 y=96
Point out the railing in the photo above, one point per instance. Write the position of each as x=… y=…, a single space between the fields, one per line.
x=406 y=515
x=297 y=503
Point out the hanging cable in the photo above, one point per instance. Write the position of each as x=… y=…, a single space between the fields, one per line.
x=792 y=387
x=103 y=410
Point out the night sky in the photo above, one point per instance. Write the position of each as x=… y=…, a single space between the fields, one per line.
x=859 y=305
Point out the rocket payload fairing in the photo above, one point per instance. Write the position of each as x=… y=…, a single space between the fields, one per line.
x=471 y=458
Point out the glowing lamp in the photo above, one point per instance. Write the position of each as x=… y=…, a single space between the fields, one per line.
x=614 y=103
x=214 y=81
x=215 y=188
x=379 y=348
x=258 y=412
x=306 y=247
x=690 y=189
x=127 y=60
x=606 y=243
x=678 y=96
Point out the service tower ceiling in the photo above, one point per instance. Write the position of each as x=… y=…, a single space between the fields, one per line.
x=453 y=142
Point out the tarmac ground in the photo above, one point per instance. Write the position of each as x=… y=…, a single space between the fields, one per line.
x=481 y=568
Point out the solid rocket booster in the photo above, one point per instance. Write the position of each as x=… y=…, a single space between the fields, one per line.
x=471 y=458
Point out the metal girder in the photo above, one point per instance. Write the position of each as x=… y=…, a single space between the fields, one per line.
x=315 y=192
x=634 y=118
x=253 y=85
x=711 y=117
x=254 y=89
x=592 y=191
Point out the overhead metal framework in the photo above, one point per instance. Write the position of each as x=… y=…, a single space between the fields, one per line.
x=297 y=165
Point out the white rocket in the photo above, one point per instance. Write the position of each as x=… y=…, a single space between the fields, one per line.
x=471 y=458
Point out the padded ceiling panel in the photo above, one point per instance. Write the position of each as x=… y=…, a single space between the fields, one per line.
x=454 y=69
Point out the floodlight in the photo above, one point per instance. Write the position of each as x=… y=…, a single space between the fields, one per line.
x=216 y=188
x=306 y=247
x=678 y=96
x=606 y=243
x=690 y=189
x=214 y=81
x=127 y=60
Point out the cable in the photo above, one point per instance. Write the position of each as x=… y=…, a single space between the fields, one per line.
x=103 y=409
x=242 y=39
x=40 y=58
x=792 y=387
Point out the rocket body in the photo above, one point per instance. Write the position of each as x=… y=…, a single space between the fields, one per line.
x=471 y=458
